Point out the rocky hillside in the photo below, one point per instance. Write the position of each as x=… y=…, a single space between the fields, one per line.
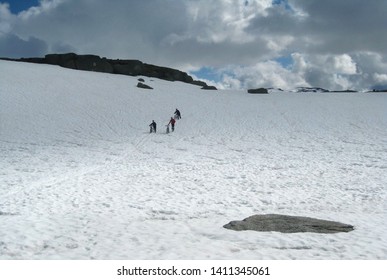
x=114 y=66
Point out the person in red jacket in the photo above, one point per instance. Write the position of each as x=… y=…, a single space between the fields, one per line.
x=172 y=123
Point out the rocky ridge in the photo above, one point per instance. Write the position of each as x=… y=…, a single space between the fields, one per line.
x=128 y=67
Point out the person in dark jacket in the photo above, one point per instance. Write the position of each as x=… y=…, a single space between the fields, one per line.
x=172 y=123
x=153 y=126
x=177 y=114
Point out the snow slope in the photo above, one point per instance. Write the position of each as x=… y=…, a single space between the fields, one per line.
x=82 y=178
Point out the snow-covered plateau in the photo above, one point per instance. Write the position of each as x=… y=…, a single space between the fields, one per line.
x=81 y=177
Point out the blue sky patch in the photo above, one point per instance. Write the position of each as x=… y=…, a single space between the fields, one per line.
x=285 y=3
x=207 y=73
x=17 y=6
x=285 y=61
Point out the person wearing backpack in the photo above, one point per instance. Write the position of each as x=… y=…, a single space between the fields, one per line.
x=177 y=115
x=153 y=126
x=172 y=123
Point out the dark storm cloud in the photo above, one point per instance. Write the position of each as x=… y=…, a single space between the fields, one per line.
x=345 y=26
x=12 y=46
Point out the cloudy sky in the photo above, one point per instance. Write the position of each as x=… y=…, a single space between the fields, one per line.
x=334 y=44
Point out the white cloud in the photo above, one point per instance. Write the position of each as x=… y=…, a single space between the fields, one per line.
x=262 y=74
x=5 y=19
x=341 y=82
x=380 y=78
x=45 y=7
x=299 y=65
x=343 y=64
x=213 y=21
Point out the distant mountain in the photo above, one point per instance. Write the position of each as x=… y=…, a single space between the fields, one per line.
x=318 y=89
x=311 y=89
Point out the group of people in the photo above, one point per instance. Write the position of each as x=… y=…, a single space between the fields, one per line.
x=172 y=121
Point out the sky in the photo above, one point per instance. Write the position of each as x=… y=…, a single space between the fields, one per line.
x=237 y=44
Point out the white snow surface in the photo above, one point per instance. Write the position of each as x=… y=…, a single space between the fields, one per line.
x=81 y=177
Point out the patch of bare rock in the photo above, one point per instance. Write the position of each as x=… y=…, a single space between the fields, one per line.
x=288 y=224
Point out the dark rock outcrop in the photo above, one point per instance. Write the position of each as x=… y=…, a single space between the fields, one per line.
x=258 y=91
x=288 y=224
x=127 y=67
x=80 y=62
x=141 y=85
x=199 y=83
x=379 y=90
x=114 y=66
x=206 y=87
x=344 y=91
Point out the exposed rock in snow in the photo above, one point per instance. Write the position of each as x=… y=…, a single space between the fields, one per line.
x=142 y=85
x=209 y=87
x=288 y=224
x=311 y=89
x=258 y=90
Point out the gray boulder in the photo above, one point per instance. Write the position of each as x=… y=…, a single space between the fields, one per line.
x=288 y=224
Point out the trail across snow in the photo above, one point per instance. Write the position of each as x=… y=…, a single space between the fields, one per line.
x=82 y=178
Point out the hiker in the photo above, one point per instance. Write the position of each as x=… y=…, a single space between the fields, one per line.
x=177 y=114
x=172 y=123
x=153 y=127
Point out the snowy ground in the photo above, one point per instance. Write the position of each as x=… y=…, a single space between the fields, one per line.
x=82 y=178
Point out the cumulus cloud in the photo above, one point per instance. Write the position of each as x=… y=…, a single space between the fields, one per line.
x=332 y=44
x=335 y=72
x=380 y=78
x=262 y=74
x=343 y=64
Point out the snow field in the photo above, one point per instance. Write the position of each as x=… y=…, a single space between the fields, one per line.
x=82 y=178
